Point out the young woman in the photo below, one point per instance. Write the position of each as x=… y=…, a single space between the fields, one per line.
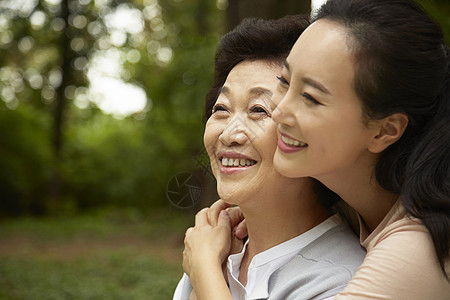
x=365 y=108
x=368 y=114
x=289 y=228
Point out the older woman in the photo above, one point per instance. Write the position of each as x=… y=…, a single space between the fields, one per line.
x=290 y=223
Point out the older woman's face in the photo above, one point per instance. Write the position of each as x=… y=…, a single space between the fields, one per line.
x=240 y=136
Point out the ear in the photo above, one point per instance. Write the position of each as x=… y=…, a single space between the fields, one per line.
x=388 y=131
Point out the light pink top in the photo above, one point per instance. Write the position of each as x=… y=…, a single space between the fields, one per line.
x=401 y=262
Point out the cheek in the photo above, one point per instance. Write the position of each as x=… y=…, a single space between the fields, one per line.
x=339 y=139
x=266 y=140
x=210 y=138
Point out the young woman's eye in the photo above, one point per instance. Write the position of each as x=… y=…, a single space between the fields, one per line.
x=310 y=98
x=282 y=80
x=218 y=107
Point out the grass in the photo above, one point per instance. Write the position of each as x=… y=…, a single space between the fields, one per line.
x=104 y=255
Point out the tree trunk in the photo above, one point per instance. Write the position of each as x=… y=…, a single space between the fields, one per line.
x=60 y=103
x=266 y=9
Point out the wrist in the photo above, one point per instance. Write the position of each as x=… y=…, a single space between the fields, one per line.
x=204 y=269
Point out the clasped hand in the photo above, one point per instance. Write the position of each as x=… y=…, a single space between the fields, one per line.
x=218 y=232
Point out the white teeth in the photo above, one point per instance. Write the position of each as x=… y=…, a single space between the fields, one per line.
x=292 y=142
x=235 y=162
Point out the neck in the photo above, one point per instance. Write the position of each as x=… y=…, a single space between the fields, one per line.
x=282 y=215
x=279 y=214
x=359 y=188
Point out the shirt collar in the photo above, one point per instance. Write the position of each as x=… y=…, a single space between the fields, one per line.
x=295 y=244
x=286 y=250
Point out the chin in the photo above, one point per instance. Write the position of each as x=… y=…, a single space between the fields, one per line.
x=228 y=197
x=233 y=196
x=285 y=167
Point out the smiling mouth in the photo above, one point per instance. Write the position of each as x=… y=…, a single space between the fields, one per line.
x=236 y=162
x=292 y=143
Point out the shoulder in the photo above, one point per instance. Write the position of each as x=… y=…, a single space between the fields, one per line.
x=402 y=241
x=320 y=270
x=338 y=247
x=400 y=264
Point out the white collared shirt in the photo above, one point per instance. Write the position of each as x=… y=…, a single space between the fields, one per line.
x=263 y=264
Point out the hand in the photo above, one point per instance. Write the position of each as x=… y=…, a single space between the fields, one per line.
x=238 y=224
x=206 y=244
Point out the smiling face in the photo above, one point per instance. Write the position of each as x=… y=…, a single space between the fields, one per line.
x=240 y=136
x=319 y=116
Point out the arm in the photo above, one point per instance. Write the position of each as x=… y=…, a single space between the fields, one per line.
x=206 y=248
x=401 y=265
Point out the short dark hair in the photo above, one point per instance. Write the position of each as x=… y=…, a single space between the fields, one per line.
x=402 y=66
x=253 y=39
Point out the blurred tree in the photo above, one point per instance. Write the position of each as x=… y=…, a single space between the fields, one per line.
x=59 y=57
x=65 y=65
x=267 y=9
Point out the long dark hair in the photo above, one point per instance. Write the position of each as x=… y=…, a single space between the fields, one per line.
x=402 y=66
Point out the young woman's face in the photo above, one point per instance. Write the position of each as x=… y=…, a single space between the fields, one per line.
x=240 y=136
x=319 y=116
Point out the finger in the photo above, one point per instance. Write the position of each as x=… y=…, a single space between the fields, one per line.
x=214 y=211
x=185 y=263
x=201 y=217
x=188 y=231
x=236 y=215
x=224 y=219
x=241 y=230
x=186 y=235
x=236 y=245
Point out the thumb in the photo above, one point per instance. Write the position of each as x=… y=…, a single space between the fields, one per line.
x=224 y=219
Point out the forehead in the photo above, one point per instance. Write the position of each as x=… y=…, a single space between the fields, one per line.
x=251 y=74
x=324 y=41
x=322 y=53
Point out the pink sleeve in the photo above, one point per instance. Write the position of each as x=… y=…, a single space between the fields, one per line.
x=401 y=265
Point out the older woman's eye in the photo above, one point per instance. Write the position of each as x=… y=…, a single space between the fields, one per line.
x=259 y=110
x=218 y=107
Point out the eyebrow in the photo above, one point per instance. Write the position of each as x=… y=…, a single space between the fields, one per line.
x=315 y=84
x=224 y=90
x=309 y=81
x=256 y=91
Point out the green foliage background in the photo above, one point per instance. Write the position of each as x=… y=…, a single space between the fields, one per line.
x=101 y=160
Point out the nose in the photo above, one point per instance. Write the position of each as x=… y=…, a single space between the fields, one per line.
x=284 y=113
x=236 y=133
